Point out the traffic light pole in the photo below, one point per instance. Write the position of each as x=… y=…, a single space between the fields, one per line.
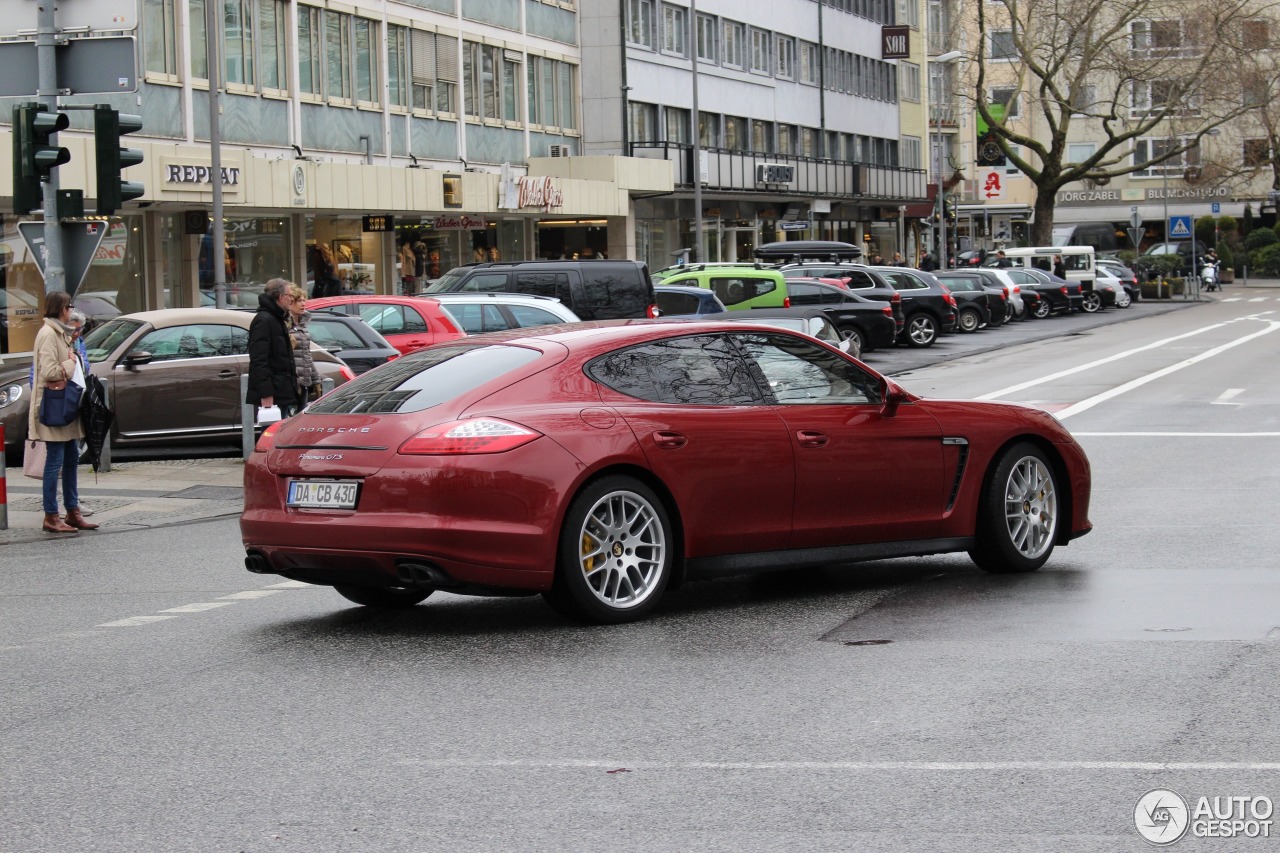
x=55 y=277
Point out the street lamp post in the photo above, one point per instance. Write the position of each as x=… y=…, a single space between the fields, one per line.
x=944 y=59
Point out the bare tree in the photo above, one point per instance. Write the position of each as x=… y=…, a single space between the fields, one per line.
x=1147 y=80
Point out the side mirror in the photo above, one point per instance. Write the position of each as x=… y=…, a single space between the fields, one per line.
x=137 y=357
x=893 y=398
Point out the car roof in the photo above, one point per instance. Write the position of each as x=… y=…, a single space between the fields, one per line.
x=380 y=299
x=489 y=296
x=163 y=318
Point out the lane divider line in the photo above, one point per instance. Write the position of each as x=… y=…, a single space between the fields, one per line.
x=198 y=608
x=135 y=621
x=1177 y=434
x=1047 y=766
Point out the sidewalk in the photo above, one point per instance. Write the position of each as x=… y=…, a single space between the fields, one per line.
x=133 y=496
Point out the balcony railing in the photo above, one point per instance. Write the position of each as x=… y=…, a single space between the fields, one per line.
x=736 y=171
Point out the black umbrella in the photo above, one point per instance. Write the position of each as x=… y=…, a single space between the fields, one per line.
x=96 y=418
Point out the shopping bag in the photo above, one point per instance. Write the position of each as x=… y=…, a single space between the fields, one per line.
x=33 y=455
x=269 y=414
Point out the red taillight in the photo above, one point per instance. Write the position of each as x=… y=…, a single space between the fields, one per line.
x=887 y=310
x=1017 y=289
x=896 y=299
x=652 y=312
x=347 y=373
x=786 y=302
x=951 y=300
x=477 y=435
x=267 y=438
x=1064 y=290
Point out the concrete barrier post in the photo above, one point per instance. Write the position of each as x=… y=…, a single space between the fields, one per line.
x=248 y=414
x=4 y=490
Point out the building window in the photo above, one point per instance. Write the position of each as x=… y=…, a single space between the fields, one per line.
x=761 y=133
x=1079 y=152
x=909 y=81
x=199 y=59
x=640 y=22
x=761 y=57
x=309 y=50
x=707 y=38
x=237 y=42
x=1256 y=152
x=808 y=142
x=489 y=82
x=788 y=139
x=909 y=13
x=1149 y=149
x=1256 y=35
x=1162 y=37
x=1006 y=97
x=675 y=30
x=1256 y=92
x=1002 y=45
x=708 y=130
x=552 y=85
x=735 y=134
x=421 y=69
x=273 y=44
x=910 y=149
x=366 y=66
x=809 y=62
x=785 y=51
x=677 y=124
x=644 y=122
x=1084 y=98
x=398 y=66
x=337 y=56
x=159 y=37
x=733 y=48
x=1152 y=96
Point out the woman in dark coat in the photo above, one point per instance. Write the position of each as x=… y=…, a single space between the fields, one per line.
x=273 y=378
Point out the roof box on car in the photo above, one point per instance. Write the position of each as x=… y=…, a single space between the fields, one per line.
x=807 y=250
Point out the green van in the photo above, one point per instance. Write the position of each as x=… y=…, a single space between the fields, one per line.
x=738 y=286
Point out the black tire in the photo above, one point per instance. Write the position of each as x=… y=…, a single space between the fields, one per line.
x=1042 y=309
x=390 y=598
x=968 y=320
x=921 y=330
x=1092 y=302
x=1019 y=515
x=616 y=553
x=855 y=339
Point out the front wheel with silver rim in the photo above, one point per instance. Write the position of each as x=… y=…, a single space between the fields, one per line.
x=1123 y=300
x=857 y=344
x=1020 y=513
x=615 y=555
x=1042 y=309
x=1092 y=303
x=921 y=330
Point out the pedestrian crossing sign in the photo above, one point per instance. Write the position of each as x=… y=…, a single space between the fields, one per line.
x=1179 y=228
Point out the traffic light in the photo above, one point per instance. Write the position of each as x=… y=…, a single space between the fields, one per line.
x=35 y=155
x=108 y=126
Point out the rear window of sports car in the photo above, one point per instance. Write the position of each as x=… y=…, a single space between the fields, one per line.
x=423 y=379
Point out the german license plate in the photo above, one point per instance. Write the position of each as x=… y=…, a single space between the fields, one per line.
x=323 y=494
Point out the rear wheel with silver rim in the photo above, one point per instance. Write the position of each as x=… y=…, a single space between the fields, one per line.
x=921 y=330
x=615 y=555
x=1122 y=299
x=1092 y=303
x=1020 y=513
x=1041 y=309
x=968 y=320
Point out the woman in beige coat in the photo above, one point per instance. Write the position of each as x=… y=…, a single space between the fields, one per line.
x=55 y=361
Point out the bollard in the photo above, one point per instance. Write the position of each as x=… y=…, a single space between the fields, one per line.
x=247 y=417
x=4 y=492
x=104 y=458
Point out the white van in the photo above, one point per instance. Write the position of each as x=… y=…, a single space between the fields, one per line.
x=1079 y=262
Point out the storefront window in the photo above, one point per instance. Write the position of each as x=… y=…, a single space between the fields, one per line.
x=356 y=256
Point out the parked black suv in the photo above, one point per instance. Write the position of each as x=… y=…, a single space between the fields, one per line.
x=592 y=289
x=975 y=305
x=927 y=307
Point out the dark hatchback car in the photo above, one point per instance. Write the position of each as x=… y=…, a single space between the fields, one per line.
x=352 y=340
x=683 y=300
x=1056 y=295
x=928 y=309
x=976 y=305
x=870 y=321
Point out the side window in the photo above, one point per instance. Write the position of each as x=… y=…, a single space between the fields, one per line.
x=486 y=282
x=239 y=340
x=859 y=279
x=527 y=315
x=803 y=294
x=759 y=286
x=733 y=291
x=1021 y=277
x=414 y=322
x=387 y=319
x=612 y=291
x=334 y=335
x=188 y=342
x=554 y=284
x=799 y=372
x=677 y=303
x=695 y=370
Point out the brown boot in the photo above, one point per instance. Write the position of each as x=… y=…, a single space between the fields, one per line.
x=77 y=521
x=53 y=524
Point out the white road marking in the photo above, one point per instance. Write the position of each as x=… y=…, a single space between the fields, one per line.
x=1259 y=299
x=135 y=621
x=1086 y=405
x=291 y=585
x=1047 y=766
x=1224 y=399
x=198 y=608
x=1178 y=434
x=248 y=594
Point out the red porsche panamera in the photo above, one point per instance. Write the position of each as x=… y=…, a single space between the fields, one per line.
x=602 y=464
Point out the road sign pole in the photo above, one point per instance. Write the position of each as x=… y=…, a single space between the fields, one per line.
x=46 y=59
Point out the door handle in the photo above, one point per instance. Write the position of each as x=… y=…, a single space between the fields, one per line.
x=812 y=438
x=669 y=440
x=227 y=373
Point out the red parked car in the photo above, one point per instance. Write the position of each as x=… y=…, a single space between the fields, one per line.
x=601 y=464
x=407 y=322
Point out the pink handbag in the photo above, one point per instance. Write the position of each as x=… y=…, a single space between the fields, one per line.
x=34 y=454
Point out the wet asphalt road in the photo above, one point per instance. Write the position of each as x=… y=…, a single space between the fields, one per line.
x=158 y=697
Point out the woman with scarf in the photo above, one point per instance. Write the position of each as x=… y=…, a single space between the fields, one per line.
x=300 y=337
x=55 y=363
